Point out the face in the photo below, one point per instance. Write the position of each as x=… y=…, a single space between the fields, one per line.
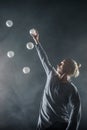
x=60 y=67
x=63 y=67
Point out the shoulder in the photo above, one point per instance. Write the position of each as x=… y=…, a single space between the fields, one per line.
x=75 y=97
x=73 y=86
x=75 y=93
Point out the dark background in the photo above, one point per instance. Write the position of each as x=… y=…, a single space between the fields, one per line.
x=63 y=33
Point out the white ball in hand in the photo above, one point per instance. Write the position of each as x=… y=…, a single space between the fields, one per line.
x=32 y=31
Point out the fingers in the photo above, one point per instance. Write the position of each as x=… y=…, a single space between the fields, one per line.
x=33 y=32
x=35 y=35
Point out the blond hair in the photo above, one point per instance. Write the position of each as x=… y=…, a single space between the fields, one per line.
x=73 y=68
x=76 y=71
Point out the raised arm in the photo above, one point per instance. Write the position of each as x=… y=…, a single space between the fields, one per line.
x=41 y=53
x=76 y=112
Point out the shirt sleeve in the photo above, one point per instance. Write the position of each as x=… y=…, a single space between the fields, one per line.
x=43 y=57
x=75 y=115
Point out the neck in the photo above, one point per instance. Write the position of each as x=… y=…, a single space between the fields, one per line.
x=64 y=78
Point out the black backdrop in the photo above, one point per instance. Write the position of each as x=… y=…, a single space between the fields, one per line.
x=63 y=33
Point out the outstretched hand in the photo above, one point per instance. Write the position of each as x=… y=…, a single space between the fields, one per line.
x=34 y=33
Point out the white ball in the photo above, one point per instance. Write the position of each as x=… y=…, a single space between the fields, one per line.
x=26 y=70
x=9 y=23
x=30 y=45
x=10 y=54
x=32 y=31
